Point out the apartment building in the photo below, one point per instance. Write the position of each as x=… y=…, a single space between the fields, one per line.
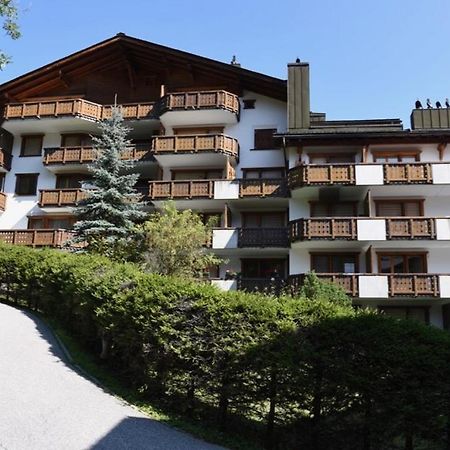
x=363 y=203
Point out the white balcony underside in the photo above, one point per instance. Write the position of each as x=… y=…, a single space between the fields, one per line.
x=186 y=118
x=201 y=159
x=343 y=245
x=72 y=124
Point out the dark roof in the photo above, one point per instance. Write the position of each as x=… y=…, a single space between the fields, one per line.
x=114 y=50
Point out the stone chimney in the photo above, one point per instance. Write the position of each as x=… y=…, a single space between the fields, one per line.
x=298 y=96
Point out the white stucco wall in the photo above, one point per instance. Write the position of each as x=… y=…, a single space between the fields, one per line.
x=19 y=207
x=373 y=286
x=224 y=190
x=268 y=113
x=371 y=229
x=369 y=175
x=298 y=209
x=225 y=238
x=299 y=261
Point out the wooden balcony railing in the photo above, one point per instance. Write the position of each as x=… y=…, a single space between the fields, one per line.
x=5 y=159
x=83 y=155
x=2 y=201
x=323 y=228
x=76 y=108
x=181 y=189
x=265 y=285
x=217 y=143
x=405 y=284
x=269 y=187
x=321 y=174
x=35 y=238
x=263 y=237
x=404 y=173
x=200 y=100
x=60 y=197
x=413 y=284
x=410 y=228
x=348 y=282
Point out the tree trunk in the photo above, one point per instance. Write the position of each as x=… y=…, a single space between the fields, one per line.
x=270 y=437
x=106 y=346
x=409 y=445
x=223 y=403
x=366 y=426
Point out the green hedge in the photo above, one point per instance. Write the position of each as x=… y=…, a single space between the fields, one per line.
x=307 y=372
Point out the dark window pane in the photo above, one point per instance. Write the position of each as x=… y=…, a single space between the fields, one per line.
x=416 y=264
x=320 y=263
x=264 y=138
x=31 y=146
x=26 y=184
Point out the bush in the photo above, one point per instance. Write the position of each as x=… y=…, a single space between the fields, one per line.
x=304 y=372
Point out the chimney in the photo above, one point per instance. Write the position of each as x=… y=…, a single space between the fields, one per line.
x=298 y=95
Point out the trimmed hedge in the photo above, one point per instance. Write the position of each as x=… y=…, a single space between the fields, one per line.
x=306 y=372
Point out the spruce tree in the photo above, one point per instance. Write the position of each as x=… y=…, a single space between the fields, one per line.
x=107 y=216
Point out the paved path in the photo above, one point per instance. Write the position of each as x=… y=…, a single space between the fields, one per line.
x=45 y=404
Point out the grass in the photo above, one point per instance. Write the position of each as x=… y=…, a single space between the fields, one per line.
x=93 y=366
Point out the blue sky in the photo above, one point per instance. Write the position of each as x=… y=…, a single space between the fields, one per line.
x=369 y=59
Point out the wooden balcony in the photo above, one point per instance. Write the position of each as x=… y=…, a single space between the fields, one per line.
x=200 y=100
x=35 y=238
x=5 y=160
x=264 y=285
x=323 y=228
x=348 y=282
x=161 y=190
x=60 y=197
x=410 y=228
x=207 y=143
x=2 y=201
x=263 y=237
x=86 y=155
x=413 y=284
x=407 y=173
x=399 y=285
x=74 y=108
x=269 y=187
x=321 y=174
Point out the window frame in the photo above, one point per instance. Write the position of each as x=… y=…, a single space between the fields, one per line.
x=405 y=255
x=330 y=255
x=259 y=215
x=24 y=138
x=314 y=203
x=261 y=170
x=258 y=261
x=328 y=155
x=205 y=172
x=82 y=136
x=407 y=309
x=265 y=145
x=46 y=219
x=402 y=201
x=20 y=176
x=399 y=154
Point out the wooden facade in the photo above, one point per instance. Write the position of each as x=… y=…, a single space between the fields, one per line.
x=35 y=238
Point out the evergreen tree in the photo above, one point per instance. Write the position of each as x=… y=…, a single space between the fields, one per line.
x=107 y=216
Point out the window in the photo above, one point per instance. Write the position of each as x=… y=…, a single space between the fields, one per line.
x=418 y=313
x=331 y=158
x=71 y=181
x=334 y=263
x=31 y=145
x=396 y=156
x=402 y=263
x=26 y=184
x=49 y=222
x=264 y=139
x=211 y=174
x=263 y=219
x=340 y=209
x=249 y=103
x=263 y=268
x=76 y=140
x=399 y=208
x=272 y=172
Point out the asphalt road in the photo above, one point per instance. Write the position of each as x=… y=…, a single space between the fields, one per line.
x=45 y=404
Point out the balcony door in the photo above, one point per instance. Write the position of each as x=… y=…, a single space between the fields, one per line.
x=263 y=268
x=402 y=263
x=399 y=208
x=264 y=219
x=335 y=262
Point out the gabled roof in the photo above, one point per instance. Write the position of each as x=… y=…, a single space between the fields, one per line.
x=134 y=54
